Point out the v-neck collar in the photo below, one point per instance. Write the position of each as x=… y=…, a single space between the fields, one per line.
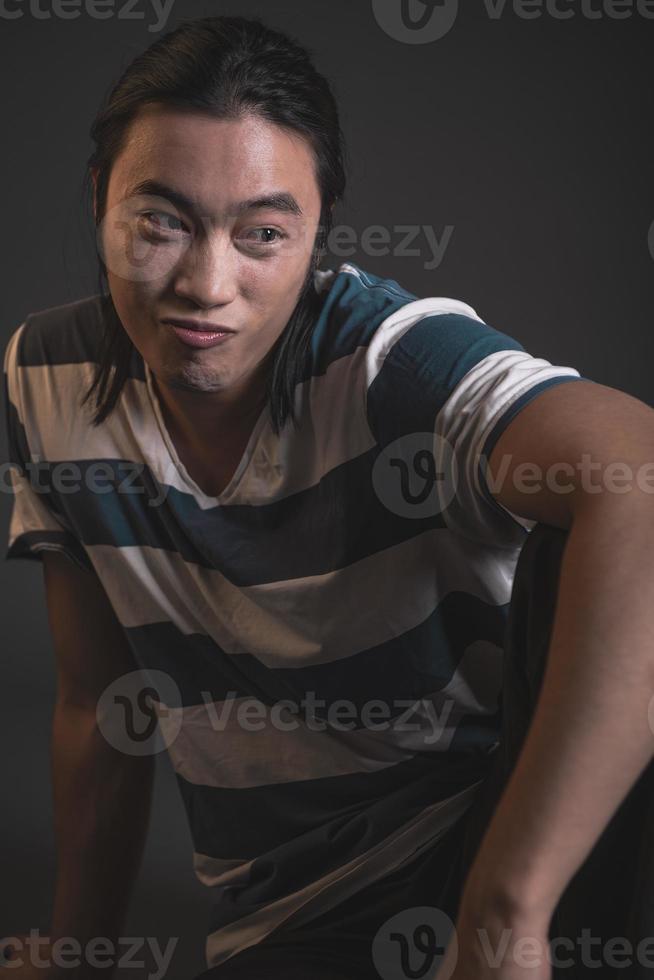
x=173 y=457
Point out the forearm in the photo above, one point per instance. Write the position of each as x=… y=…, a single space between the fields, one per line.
x=101 y=806
x=590 y=736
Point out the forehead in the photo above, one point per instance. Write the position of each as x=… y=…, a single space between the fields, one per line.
x=216 y=160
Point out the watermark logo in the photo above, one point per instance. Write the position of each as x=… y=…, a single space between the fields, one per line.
x=416 y=475
x=416 y=21
x=412 y=945
x=130 y=709
x=138 y=240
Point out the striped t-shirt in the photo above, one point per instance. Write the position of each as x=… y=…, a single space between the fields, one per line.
x=349 y=586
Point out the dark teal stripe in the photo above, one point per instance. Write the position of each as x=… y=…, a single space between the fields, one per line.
x=70 y=334
x=31 y=545
x=304 y=836
x=423 y=367
x=303 y=816
x=407 y=667
x=342 y=518
x=354 y=307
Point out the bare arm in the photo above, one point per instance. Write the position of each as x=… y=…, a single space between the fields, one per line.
x=101 y=795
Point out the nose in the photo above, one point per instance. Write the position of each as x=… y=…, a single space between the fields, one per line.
x=206 y=274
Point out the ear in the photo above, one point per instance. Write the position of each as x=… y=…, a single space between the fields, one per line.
x=94 y=178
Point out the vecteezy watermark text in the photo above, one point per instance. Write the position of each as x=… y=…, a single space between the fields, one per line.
x=95 y=9
x=138 y=714
x=144 y=237
x=67 y=952
x=425 y=21
x=413 y=943
x=531 y=951
x=340 y=715
x=415 y=476
x=376 y=240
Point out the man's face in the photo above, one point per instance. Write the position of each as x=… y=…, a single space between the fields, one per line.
x=212 y=260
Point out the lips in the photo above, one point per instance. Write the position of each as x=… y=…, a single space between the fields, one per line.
x=200 y=326
x=201 y=338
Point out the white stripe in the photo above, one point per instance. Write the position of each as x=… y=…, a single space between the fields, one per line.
x=474 y=407
x=242 y=743
x=332 y=430
x=221 y=872
x=30 y=511
x=333 y=426
x=58 y=428
x=311 y=620
x=393 y=328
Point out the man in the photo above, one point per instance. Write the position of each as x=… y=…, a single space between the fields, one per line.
x=257 y=568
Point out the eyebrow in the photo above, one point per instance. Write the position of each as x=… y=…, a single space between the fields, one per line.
x=277 y=201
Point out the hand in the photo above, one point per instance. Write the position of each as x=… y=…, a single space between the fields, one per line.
x=27 y=970
x=492 y=948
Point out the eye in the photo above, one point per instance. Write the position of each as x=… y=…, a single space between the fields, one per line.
x=280 y=235
x=155 y=221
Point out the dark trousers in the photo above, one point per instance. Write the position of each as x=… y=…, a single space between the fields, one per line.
x=611 y=897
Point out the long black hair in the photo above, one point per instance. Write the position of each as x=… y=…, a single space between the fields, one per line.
x=228 y=67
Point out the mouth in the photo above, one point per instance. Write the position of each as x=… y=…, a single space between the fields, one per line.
x=200 y=326
x=195 y=333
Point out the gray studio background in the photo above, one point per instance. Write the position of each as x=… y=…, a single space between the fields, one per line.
x=527 y=137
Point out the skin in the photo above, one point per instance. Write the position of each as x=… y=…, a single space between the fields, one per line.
x=209 y=263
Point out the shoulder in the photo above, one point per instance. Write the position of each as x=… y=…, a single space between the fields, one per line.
x=410 y=352
x=50 y=360
x=360 y=309
x=69 y=333
x=354 y=303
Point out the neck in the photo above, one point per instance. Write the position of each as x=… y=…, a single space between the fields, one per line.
x=199 y=418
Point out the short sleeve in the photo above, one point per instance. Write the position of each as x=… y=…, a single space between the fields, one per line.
x=35 y=524
x=452 y=375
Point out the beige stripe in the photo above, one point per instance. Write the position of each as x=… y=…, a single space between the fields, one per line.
x=468 y=416
x=221 y=872
x=242 y=742
x=29 y=511
x=311 y=620
x=333 y=424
